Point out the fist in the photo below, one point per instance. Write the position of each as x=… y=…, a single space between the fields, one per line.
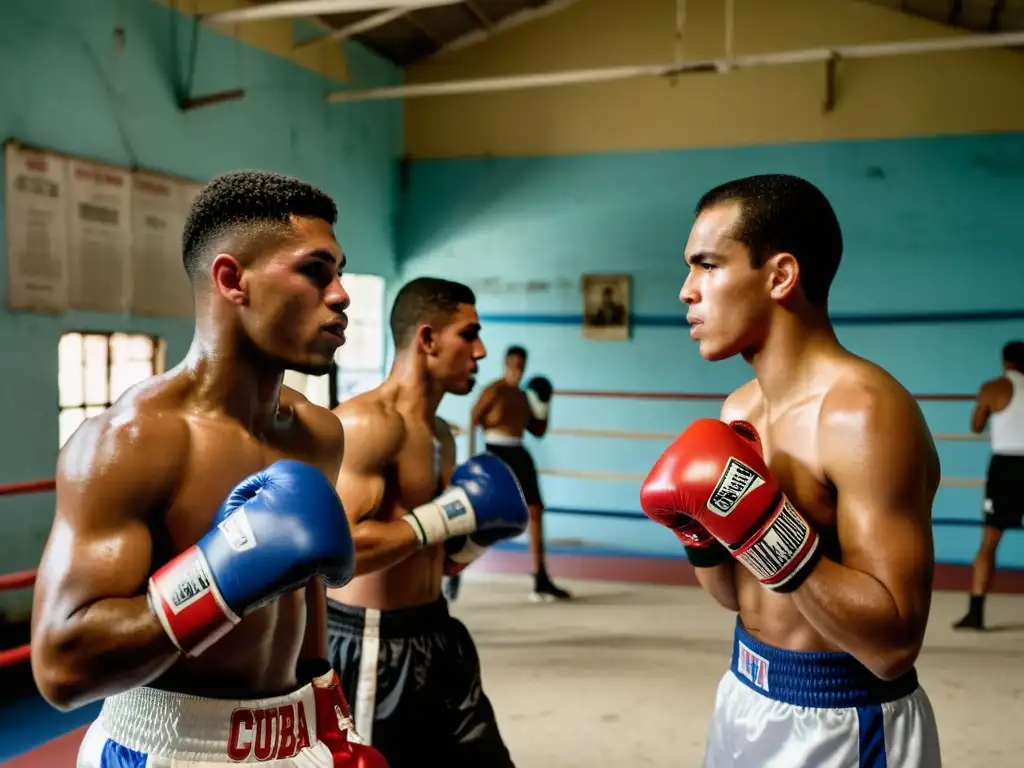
x=714 y=475
x=538 y=393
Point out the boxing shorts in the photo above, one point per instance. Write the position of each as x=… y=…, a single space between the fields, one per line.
x=1004 y=492
x=511 y=451
x=412 y=679
x=150 y=728
x=785 y=709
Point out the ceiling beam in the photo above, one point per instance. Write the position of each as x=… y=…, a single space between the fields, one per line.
x=293 y=9
x=355 y=28
x=509 y=22
x=482 y=18
x=752 y=61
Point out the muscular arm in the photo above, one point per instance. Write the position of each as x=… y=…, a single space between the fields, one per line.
x=878 y=453
x=371 y=440
x=483 y=406
x=93 y=633
x=537 y=427
x=991 y=397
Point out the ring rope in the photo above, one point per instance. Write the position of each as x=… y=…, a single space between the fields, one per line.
x=621 y=434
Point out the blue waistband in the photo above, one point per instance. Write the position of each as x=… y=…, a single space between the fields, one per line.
x=833 y=680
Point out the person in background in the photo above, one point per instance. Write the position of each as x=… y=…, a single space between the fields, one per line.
x=1000 y=406
x=505 y=412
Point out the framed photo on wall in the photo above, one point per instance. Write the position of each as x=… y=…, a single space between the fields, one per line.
x=605 y=307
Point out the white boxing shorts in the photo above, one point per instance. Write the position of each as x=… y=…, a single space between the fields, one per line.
x=786 y=709
x=149 y=728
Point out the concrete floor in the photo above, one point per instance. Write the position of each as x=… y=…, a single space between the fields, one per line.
x=625 y=675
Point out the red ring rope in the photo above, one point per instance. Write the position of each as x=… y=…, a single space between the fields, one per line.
x=23 y=579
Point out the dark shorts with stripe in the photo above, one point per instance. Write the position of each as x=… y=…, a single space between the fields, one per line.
x=412 y=679
x=521 y=463
x=1004 y=492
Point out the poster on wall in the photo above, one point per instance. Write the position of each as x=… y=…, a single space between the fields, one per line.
x=35 y=211
x=605 y=307
x=160 y=287
x=99 y=242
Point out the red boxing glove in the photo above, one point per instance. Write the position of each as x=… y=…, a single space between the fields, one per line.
x=715 y=475
x=334 y=726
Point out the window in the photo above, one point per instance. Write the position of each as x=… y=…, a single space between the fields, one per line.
x=360 y=362
x=94 y=369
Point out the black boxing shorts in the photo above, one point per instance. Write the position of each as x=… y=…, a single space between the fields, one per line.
x=412 y=679
x=1004 y=492
x=521 y=463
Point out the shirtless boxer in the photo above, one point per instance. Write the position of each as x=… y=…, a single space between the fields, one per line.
x=807 y=507
x=505 y=412
x=1000 y=407
x=196 y=517
x=410 y=669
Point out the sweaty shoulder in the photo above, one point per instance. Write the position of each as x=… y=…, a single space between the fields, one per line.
x=140 y=443
x=324 y=429
x=373 y=429
x=743 y=404
x=868 y=410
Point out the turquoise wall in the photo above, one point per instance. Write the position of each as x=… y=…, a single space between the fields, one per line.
x=64 y=86
x=933 y=237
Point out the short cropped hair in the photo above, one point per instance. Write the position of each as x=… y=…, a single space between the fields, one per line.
x=786 y=214
x=249 y=204
x=516 y=351
x=426 y=300
x=1013 y=353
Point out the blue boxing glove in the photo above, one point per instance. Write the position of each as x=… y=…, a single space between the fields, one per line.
x=483 y=498
x=538 y=393
x=275 y=531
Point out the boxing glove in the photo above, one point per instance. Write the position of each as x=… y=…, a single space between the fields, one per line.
x=483 y=502
x=277 y=529
x=714 y=473
x=538 y=393
x=334 y=726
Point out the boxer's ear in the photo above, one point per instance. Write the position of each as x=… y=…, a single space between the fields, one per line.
x=784 y=276
x=426 y=337
x=227 y=276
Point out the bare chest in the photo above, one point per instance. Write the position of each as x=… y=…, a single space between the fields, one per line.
x=790 y=446
x=511 y=410
x=219 y=458
x=421 y=470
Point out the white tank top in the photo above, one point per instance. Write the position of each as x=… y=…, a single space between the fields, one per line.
x=1006 y=427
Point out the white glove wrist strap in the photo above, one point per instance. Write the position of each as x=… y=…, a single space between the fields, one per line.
x=450 y=514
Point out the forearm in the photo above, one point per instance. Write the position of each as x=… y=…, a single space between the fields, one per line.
x=105 y=648
x=857 y=613
x=380 y=545
x=720 y=582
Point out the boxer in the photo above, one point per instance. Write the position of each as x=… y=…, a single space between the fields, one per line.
x=807 y=508
x=410 y=669
x=1000 y=407
x=505 y=412
x=197 y=520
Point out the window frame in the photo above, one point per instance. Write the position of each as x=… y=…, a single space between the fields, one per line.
x=158 y=363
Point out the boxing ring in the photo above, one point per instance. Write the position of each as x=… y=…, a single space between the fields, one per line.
x=507 y=627
x=574 y=559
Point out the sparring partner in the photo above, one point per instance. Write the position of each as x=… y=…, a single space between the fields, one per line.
x=1000 y=407
x=505 y=412
x=807 y=507
x=197 y=520
x=409 y=669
